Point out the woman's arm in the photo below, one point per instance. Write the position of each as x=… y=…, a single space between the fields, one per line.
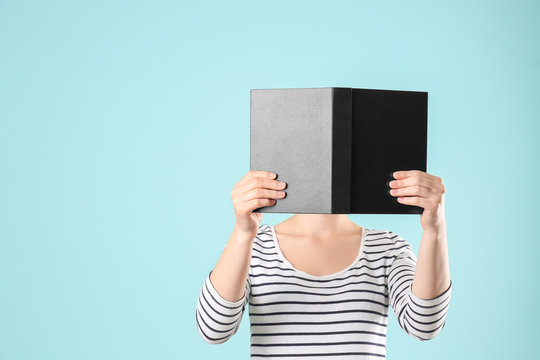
x=226 y=291
x=256 y=189
x=218 y=319
x=420 y=290
x=231 y=271
x=432 y=275
x=422 y=318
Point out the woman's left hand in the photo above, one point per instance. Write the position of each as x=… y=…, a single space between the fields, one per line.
x=415 y=187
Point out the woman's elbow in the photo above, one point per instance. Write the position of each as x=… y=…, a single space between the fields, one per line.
x=424 y=332
x=211 y=335
x=211 y=340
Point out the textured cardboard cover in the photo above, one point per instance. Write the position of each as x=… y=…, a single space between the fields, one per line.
x=336 y=148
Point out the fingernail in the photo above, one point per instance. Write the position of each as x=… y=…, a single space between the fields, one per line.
x=271 y=175
x=281 y=184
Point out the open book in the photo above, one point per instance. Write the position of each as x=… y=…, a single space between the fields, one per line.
x=336 y=148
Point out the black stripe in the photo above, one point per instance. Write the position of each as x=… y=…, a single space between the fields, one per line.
x=424 y=331
x=431 y=314
x=206 y=336
x=404 y=327
x=375 y=252
x=211 y=317
x=385 y=244
x=322 y=344
x=396 y=298
x=318 y=354
x=400 y=318
x=425 y=323
x=399 y=282
x=261 y=252
x=319 y=323
x=211 y=328
x=217 y=312
x=395 y=286
x=381 y=258
x=371 y=240
x=319 y=302
x=217 y=302
x=370 y=268
x=407 y=285
x=403 y=246
x=316 y=287
x=320 y=333
x=317 y=294
x=265 y=260
x=271 y=247
x=380 y=233
x=430 y=306
x=400 y=297
x=270 y=267
x=317 y=280
x=407 y=281
x=319 y=312
x=407 y=268
x=264 y=247
x=355 y=268
x=395 y=267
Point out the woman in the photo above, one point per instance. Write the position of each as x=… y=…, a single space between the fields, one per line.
x=318 y=285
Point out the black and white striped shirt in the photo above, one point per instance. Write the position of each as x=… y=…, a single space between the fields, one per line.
x=297 y=315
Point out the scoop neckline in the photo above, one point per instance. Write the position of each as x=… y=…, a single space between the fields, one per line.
x=308 y=275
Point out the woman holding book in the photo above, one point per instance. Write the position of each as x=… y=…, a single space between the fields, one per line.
x=319 y=285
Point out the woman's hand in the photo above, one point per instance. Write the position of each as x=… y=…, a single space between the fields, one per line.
x=256 y=189
x=419 y=188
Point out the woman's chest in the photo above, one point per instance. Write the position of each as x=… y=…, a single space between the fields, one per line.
x=320 y=258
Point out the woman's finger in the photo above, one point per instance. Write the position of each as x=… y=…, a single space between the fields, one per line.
x=414 y=190
x=247 y=208
x=254 y=174
x=406 y=173
x=415 y=177
x=436 y=180
x=260 y=182
x=426 y=203
x=260 y=193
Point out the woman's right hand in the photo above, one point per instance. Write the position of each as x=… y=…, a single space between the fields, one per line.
x=256 y=189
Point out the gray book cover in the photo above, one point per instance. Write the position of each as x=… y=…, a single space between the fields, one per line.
x=336 y=148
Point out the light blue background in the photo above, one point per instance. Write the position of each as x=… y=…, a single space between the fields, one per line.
x=125 y=125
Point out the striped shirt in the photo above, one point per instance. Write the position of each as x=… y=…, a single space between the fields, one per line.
x=296 y=315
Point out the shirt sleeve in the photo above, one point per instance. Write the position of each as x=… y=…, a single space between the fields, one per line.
x=218 y=319
x=420 y=318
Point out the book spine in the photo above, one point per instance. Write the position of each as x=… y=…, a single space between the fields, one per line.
x=341 y=150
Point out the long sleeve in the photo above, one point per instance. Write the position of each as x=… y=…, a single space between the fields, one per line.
x=420 y=318
x=218 y=319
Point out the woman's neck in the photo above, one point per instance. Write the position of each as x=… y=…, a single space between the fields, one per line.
x=319 y=225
